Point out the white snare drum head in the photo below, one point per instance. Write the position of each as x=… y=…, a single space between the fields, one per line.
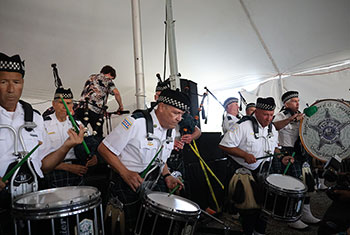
x=173 y=202
x=56 y=197
x=285 y=182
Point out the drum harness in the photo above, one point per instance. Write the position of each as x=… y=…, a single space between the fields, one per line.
x=20 y=187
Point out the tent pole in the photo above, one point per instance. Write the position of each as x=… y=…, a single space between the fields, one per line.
x=170 y=24
x=138 y=55
x=280 y=82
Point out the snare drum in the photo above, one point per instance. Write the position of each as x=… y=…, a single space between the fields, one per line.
x=164 y=214
x=59 y=211
x=284 y=197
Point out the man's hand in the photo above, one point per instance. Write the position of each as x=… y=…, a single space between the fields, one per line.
x=286 y=159
x=74 y=138
x=187 y=138
x=91 y=162
x=172 y=182
x=133 y=179
x=178 y=145
x=2 y=184
x=77 y=169
x=249 y=158
x=121 y=108
x=297 y=117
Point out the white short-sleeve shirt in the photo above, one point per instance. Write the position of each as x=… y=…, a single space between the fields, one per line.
x=228 y=122
x=288 y=135
x=31 y=139
x=128 y=141
x=57 y=133
x=242 y=136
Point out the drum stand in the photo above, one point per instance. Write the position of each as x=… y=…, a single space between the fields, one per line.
x=226 y=228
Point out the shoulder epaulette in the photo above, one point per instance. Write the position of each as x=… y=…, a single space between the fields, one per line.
x=47 y=118
x=229 y=118
x=136 y=114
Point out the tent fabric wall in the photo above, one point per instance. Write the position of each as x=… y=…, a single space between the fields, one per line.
x=323 y=85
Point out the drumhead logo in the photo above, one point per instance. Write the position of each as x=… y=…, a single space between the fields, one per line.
x=86 y=227
x=327 y=132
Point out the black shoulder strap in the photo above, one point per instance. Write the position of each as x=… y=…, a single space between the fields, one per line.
x=28 y=113
x=245 y=118
x=229 y=118
x=287 y=110
x=256 y=126
x=146 y=114
x=168 y=134
x=149 y=122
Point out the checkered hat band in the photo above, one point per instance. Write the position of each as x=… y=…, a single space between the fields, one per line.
x=290 y=97
x=161 y=88
x=10 y=66
x=173 y=102
x=265 y=106
x=64 y=96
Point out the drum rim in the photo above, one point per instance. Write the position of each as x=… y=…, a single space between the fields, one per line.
x=57 y=213
x=301 y=124
x=172 y=210
x=86 y=199
x=294 y=192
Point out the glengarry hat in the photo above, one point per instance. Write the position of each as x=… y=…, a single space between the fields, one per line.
x=288 y=95
x=229 y=101
x=64 y=93
x=266 y=103
x=249 y=105
x=176 y=99
x=11 y=64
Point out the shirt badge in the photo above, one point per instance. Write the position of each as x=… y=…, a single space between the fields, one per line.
x=150 y=143
x=126 y=123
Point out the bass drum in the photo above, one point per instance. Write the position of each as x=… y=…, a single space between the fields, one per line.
x=327 y=132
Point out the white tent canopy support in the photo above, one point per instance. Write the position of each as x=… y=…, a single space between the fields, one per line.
x=138 y=56
x=324 y=84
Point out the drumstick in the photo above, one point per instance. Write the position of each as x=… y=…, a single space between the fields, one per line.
x=143 y=174
x=176 y=188
x=75 y=125
x=10 y=173
x=289 y=163
x=269 y=155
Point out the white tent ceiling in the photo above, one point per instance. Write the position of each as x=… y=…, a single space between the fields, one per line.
x=216 y=44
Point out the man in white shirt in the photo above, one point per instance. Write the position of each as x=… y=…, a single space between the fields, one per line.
x=251 y=138
x=130 y=148
x=13 y=113
x=287 y=122
x=70 y=172
x=231 y=116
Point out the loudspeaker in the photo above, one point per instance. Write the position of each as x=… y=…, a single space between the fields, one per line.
x=197 y=186
x=207 y=144
x=190 y=88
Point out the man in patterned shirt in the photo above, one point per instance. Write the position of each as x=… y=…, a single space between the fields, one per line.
x=94 y=97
